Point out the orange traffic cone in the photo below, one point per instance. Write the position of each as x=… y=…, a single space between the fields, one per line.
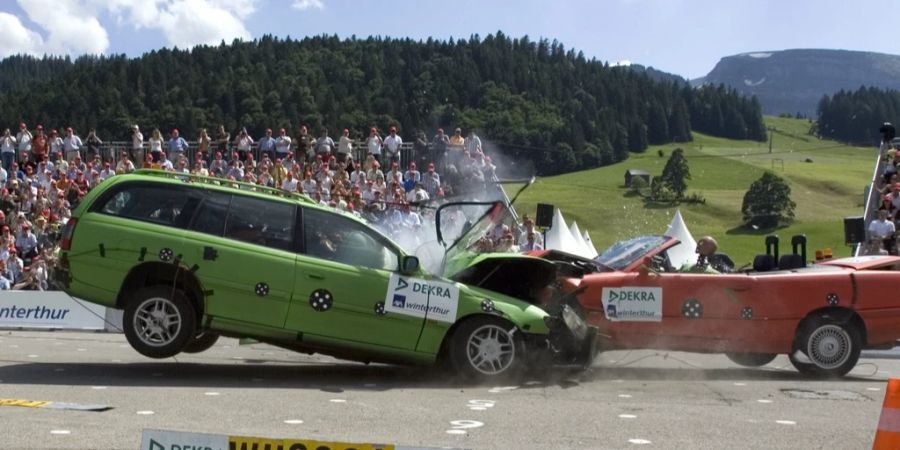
x=887 y=437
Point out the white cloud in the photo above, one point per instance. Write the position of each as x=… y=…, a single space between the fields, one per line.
x=70 y=26
x=16 y=39
x=186 y=23
x=304 y=5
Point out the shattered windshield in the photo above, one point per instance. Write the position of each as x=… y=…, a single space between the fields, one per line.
x=624 y=253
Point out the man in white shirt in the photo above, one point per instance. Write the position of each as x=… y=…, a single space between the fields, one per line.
x=7 y=149
x=137 y=144
x=473 y=143
x=106 y=172
x=392 y=145
x=289 y=184
x=164 y=163
x=56 y=143
x=72 y=143
x=309 y=185
x=24 y=137
x=282 y=144
x=345 y=146
x=881 y=231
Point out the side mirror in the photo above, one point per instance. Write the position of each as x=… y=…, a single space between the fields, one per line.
x=409 y=264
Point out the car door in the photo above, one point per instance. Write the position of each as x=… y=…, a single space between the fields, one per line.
x=342 y=279
x=241 y=248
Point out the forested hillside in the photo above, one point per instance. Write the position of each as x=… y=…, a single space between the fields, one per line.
x=856 y=116
x=537 y=100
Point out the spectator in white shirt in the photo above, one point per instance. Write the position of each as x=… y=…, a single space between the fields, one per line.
x=137 y=144
x=881 y=231
x=243 y=142
x=373 y=144
x=282 y=144
x=392 y=145
x=7 y=149
x=345 y=147
x=24 y=137
x=56 y=143
x=289 y=184
x=72 y=143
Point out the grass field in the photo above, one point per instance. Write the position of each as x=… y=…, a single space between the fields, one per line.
x=826 y=190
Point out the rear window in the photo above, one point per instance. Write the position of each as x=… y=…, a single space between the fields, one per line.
x=261 y=222
x=159 y=204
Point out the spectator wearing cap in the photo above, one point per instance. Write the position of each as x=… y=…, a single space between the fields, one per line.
x=282 y=144
x=243 y=142
x=439 y=144
x=431 y=180
x=345 y=147
x=15 y=265
x=411 y=176
x=235 y=170
x=177 y=146
x=456 y=147
x=72 y=143
x=881 y=233
x=392 y=144
x=156 y=144
x=305 y=144
x=267 y=145
x=324 y=144
x=137 y=143
x=125 y=165
x=7 y=149
x=107 y=171
x=55 y=143
x=164 y=163
x=24 y=139
x=39 y=146
x=374 y=144
x=309 y=185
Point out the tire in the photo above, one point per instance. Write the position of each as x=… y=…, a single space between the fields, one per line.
x=751 y=359
x=832 y=346
x=486 y=348
x=201 y=342
x=159 y=321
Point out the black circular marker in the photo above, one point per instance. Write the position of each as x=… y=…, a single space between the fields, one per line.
x=321 y=300
x=166 y=254
x=692 y=309
x=262 y=289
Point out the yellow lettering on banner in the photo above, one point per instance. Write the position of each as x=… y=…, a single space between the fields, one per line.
x=254 y=443
x=25 y=403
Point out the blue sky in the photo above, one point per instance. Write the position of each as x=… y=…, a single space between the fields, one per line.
x=686 y=37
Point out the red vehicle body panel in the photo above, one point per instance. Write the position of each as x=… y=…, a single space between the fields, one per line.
x=753 y=312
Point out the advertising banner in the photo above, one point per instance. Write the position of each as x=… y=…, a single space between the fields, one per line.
x=49 y=309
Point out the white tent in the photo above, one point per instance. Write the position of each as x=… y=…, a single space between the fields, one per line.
x=590 y=245
x=560 y=238
x=683 y=253
x=576 y=233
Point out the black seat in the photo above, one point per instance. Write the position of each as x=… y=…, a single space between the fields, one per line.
x=763 y=263
x=721 y=262
x=790 y=261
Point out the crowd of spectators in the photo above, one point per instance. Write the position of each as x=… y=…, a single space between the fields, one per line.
x=44 y=176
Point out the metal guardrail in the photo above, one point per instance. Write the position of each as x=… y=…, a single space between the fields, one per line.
x=872 y=199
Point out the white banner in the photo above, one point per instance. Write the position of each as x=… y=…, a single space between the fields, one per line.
x=633 y=304
x=417 y=297
x=49 y=309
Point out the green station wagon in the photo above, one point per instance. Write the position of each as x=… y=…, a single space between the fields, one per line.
x=190 y=258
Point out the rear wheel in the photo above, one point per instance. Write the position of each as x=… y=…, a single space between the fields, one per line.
x=751 y=359
x=486 y=348
x=159 y=321
x=832 y=346
x=201 y=342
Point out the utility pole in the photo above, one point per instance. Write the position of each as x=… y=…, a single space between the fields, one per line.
x=771 y=135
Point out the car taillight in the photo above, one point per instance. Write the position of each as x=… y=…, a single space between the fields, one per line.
x=65 y=241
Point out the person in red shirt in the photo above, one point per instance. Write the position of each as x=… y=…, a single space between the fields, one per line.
x=39 y=145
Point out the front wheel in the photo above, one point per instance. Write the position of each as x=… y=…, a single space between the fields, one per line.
x=832 y=346
x=751 y=359
x=159 y=321
x=486 y=348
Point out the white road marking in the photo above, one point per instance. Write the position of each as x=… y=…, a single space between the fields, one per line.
x=627 y=416
x=873 y=389
x=764 y=400
x=498 y=389
x=293 y=421
x=478 y=408
x=80 y=349
x=145 y=413
x=466 y=424
x=740 y=384
x=98 y=388
x=639 y=441
x=786 y=422
x=337 y=400
x=32 y=356
x=624 y=395
x=480 y=405
x=211 y=394
x=456 y=431
x=60 y=432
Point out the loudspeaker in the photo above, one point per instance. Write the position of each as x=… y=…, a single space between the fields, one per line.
x=544 y=217
x=854 y=230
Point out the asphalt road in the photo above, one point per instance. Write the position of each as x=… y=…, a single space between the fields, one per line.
x=639 y=399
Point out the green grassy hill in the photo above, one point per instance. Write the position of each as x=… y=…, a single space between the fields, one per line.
x=826 y=190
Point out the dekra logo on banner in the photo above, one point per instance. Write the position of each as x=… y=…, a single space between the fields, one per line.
x=632 y=296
